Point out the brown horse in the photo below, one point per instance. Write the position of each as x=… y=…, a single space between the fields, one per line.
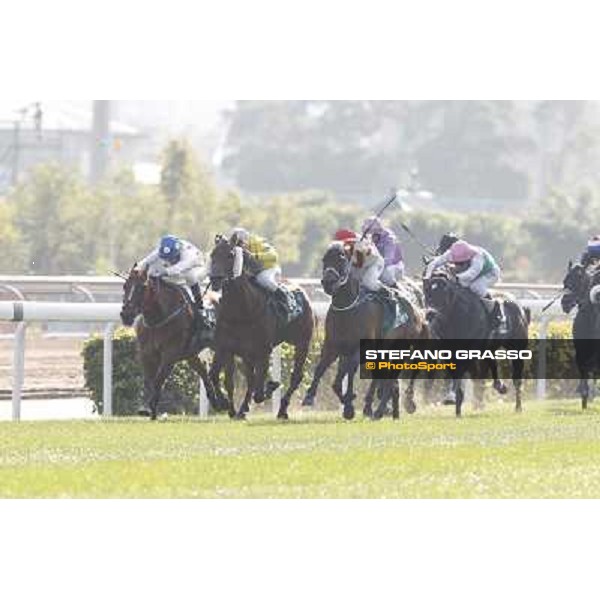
x=165 y=335
x=349 y=320
x=250 y=327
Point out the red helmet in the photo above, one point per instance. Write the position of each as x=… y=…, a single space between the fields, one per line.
x=346 y=235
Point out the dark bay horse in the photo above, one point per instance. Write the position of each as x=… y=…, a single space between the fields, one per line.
x=582 y=289
x=350 y=319
x=249 y=327
x=163 y=318
x=459 y=314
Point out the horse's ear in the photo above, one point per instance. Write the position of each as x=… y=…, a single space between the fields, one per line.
x=218 y=238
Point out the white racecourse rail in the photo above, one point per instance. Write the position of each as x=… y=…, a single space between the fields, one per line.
x=107 y=313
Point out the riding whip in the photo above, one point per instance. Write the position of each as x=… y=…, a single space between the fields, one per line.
x=379 y=213
x=553 y=300
x=416 y=239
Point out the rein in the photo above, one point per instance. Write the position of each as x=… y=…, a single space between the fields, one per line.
x=166 y=320
x=185 y=304
x=342 y=284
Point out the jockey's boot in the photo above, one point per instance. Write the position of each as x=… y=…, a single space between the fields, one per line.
x=281 y=298
x=386 y=292
x=496 y=313
x=201 y=326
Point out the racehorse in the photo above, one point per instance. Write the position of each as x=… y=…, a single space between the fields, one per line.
x=582 y=287
x=459 y=314
x=249 y=326
x=351 y=318
x=165 y=335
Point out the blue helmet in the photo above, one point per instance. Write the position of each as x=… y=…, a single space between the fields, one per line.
x=170 y=249
x=593 y=247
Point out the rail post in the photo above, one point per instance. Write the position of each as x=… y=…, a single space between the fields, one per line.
x=107 y=408
x=276 y=374
x=541 y=366
x=203 y=400
x=18 y=369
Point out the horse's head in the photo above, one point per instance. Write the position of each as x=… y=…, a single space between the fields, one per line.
x=336 y=268
x=222 y=259
x=577 y=280
x=133 y=296
x=439 y=290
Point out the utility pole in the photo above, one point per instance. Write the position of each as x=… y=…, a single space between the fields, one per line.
x=100 y=142
x=16 y=151
x=100 y=154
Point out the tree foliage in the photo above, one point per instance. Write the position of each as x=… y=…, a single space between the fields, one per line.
x=53 y=223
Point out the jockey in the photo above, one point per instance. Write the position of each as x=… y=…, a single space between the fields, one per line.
x=476 y=270
x=367 y=263
x=255 y=255
x=389 y=248
x=179 y=262
x=592 y=252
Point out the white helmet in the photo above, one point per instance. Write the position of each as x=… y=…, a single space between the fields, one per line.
x=239 y=234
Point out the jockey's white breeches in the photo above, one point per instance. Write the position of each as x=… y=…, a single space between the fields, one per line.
x=371 y=275
x=267 y=279
x=392 y=273
x=482 y=284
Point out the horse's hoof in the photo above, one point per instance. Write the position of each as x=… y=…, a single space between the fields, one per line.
x=348 y=412
x=239 y=416
x=309 y=401
x=271 y=387
x=448 y=402
x=377 y=415
x=367 y=412
x=410 y=408
x=144 y=411
x=282 y=416
x=259 y=399
x=500 y=387
x=519 y=410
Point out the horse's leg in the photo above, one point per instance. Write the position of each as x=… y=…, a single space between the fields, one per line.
x=195 y=363
x=352 y=363
x=223 y=360
x=328 y=355
x=229 y=387
x=250 y=386
x=395 y=393
x=584 y=388
x=460 y=395
x=262 y=368
x=498 y=384
x=300 y=354
x=517 y=376
x=408 y=399
x=385 y=392
x=150 y=364
x=368 y=408
x=161 y=376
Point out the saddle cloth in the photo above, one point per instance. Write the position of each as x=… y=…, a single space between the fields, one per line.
x=396 y=310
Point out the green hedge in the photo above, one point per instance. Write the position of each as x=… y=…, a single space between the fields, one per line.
x=180 y=395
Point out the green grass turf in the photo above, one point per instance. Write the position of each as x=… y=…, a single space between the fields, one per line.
x=551 y=450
